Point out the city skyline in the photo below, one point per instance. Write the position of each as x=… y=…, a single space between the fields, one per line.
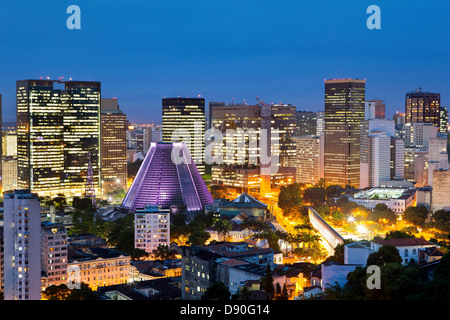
x=227 y=51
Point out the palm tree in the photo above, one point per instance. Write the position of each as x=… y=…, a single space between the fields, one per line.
x=223 y=227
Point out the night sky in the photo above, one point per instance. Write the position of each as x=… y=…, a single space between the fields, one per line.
x=279 y=51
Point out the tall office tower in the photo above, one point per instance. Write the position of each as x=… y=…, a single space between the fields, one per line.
x=58 y=126
x=381 y=153
x=438 y=156
x=113 y=147
x=306 y=123
x=252 y=140
x=397 y=159
x=22 y=246
x=443 y=119
x=168 y=177
x=375 y=109
x=344 y=111
x=151 y=228
x=423 y=106
x=211 y=105
x=307 y=160
x=320 y=123
x=380 y=158
x=54 y=249
x=187 y=116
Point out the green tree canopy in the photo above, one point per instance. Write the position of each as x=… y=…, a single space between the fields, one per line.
x=416 y=215
x=386 y=254
x=217 y=292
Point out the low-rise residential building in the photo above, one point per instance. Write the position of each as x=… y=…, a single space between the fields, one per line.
x=231 y=263
x=100 y=267
x=408 y=248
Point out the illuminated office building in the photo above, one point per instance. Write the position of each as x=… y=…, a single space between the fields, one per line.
x=421 y=106
x=252 y=141
x=113 y=147
x=344 y=111
x=443 y=119
x=58 y=126
x=306 y=123
x=185 y=117
x=308 y=161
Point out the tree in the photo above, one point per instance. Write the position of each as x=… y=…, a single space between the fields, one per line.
x=223 y=227
x=314 y=195
x=198 y=237
x=345 y=206
x=416 y=215
x=218 y=192
x=267 y=283
x=84 y=293
x=83 y=204
x=164 y=252
x=56 y=292
x=59 y=201
x=396 y=234
x=339 y=252
x=386 y=254
x=217 y=292
x=290 y=198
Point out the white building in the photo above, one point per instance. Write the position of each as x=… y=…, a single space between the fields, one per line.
x=396 y=199
x=22 y=246
x=151 y=228
x=440 y=196
x=418 y=134
x=356 y=253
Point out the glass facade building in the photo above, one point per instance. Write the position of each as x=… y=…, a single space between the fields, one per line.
x=344 y=111
x=183 y=119
x=423 y=106
x=58 y=125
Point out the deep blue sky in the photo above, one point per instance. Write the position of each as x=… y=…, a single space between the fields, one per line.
x=280 y=51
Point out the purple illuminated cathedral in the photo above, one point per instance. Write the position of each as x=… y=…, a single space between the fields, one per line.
x=167 y=177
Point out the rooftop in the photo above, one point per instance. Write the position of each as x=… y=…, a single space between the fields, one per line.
x=404 y=242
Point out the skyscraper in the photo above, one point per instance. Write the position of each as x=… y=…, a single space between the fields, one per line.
x=344 y=111
x=113 y=146
x=307 y=159
x=306 y=123
x=443 y=119
x=22 y=246
x=58 y=126
x=255 y=140
x=421 y=106
x=184 y=118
